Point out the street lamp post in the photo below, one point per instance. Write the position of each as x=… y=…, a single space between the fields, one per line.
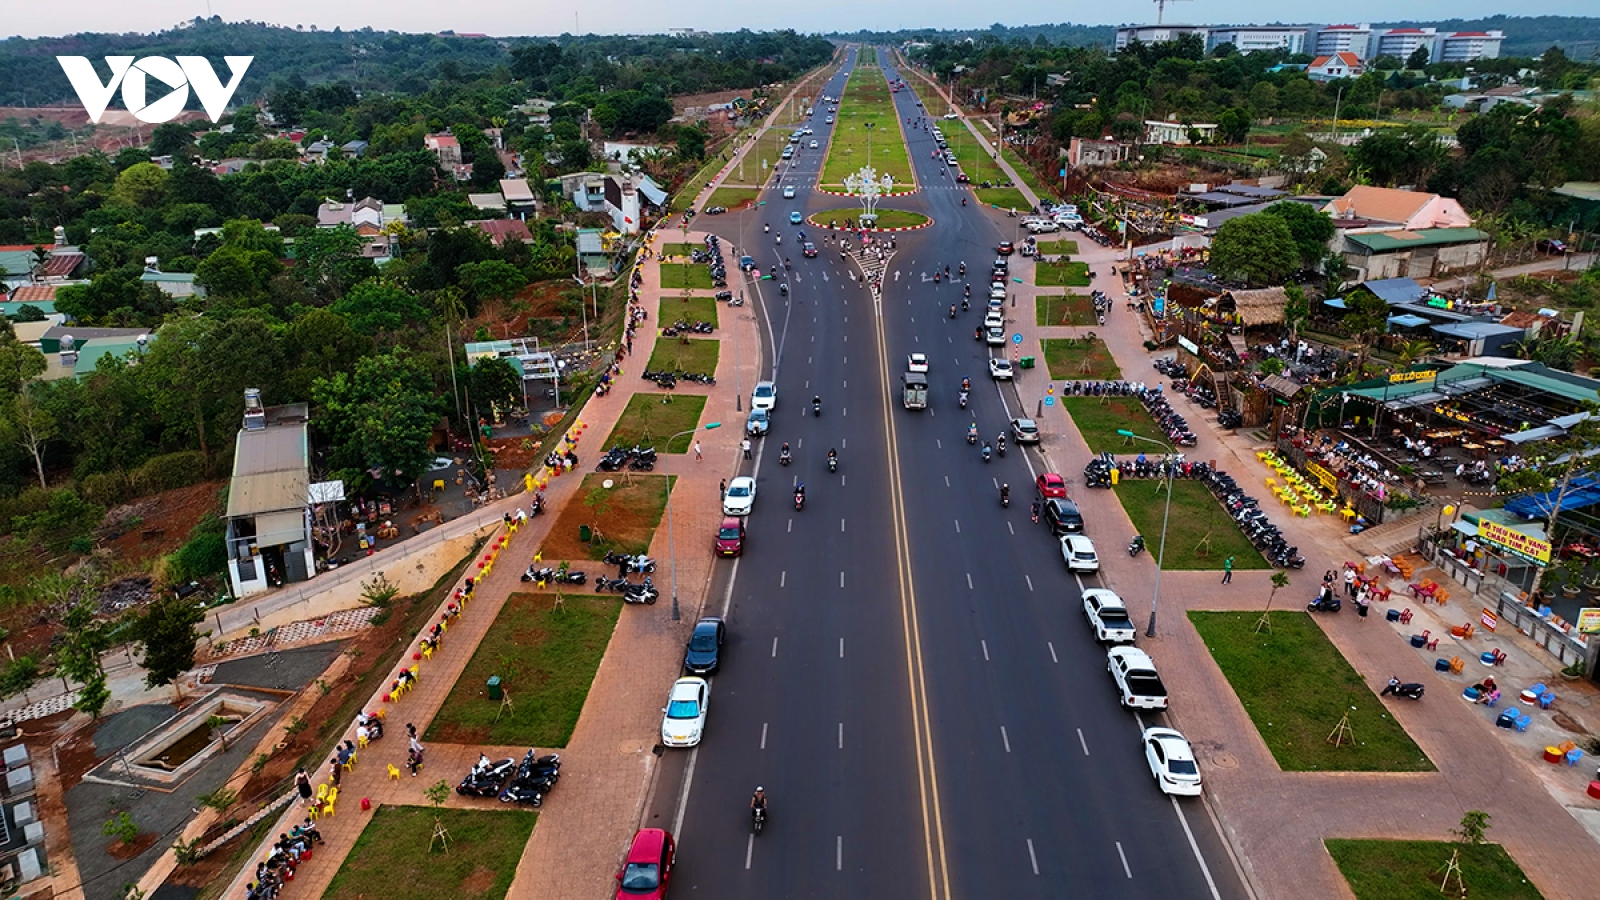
x=672 y=549
x=1161 y=552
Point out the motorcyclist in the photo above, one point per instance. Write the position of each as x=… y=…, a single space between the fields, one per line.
x=966 y=304
x=758 y=802
x=963 y=201
x=1005 y=495
x=966 y=291
x=987 y=451
x=833 y=460
x=778 y=238
x=783 y=454
x=786 y=263
x=963 y=399
x=963 y=268
x=800 y=494
x=1000 y=442
x=952 y=310
x=966 y=384
x=972 y=432
x=816 y=403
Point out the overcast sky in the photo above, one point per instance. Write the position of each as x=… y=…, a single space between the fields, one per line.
x=543 y=17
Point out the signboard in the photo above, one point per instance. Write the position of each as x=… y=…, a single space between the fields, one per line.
x=1405 y=377
x=1188 y=345
x=1489 y=618
x=1589 y=620
x=1525 y=546
x=1016 y=338
x=1323 y=475
x=1051 y=401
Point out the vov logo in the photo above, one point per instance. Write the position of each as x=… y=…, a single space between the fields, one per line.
x=179 y=77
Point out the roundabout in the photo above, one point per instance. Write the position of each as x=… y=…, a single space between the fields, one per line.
x=888 y=219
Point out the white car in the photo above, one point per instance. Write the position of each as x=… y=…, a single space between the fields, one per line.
x=765 y=396
x=1135 y=675
x=1078 y=552
x=952 y=115
x=1025 y=431
x=1171 y=761
x=917 y=362
x=685 y=719
x=1108 y=616
x=788 y=192
x=994 y=337
x=997 y=291
x=741 y=496
x=1042 y=226
x=999 y=369
x=813 y=145
x=994 y=319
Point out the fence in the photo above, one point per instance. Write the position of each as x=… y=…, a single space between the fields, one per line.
x=1559 y=643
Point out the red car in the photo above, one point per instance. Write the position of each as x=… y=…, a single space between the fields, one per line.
x=1051 y=485
x=648 y=867
x=730 y=536
x=810 y=250
x=1005 y=248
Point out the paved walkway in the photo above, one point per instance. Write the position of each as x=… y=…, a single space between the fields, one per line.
x=1274 y=820
x=1577 y=262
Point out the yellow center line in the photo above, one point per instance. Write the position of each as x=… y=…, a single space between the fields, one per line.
x=927 y=772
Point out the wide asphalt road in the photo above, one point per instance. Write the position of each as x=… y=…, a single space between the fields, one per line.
x=909 y=672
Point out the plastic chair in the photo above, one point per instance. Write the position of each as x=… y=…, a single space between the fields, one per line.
x=394 y=774
x=349 y=765
x=1573 y=756
x=1523 y=721
x=361 y=741
x=322 y=791
x=427 y=651
x=1546 y=698
x=315 y=812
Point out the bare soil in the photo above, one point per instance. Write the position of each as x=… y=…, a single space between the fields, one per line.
x=124 y=850
x=628 y=519
x=506 y=319
x=685 y=101
x=166 y=520
x=481 y=879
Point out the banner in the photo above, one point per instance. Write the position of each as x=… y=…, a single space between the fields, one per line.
x=1523 y=545
x=1489 y=618
x=1188 y=345
x=1589 y=620
x=1323 y=475
x=1402 y=377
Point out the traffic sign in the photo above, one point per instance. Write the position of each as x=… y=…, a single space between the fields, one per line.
x=1016 y=338
x=1049 y=401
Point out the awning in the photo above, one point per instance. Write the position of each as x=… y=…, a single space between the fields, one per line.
x=1335 y=302
x=1470 y=529
x=1408 y=321
x=1415 y=400
x=277 y=528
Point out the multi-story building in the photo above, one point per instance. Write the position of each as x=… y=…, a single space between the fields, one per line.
x=1250 y=38
x=1333 y=39
x=1158 y=34
x=1466 y=46
x=1400 y=43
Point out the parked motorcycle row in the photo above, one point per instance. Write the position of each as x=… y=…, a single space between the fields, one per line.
x=1102 y=388
x=682 y=327
x=1174 y=426
x=638 y=459
x=513 y=782
x=627 y=562
x=712 y=255
x=632 y=591
x=1246 y=512
x=1097 y=474
x=669 y=380
x=548 y=575
x=1200 y=392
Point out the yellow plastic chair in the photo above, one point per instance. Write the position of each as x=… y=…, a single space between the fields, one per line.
x=322 y=791
x=394 y=774
x=1347 y=514
x=1302 y=511
x=361 y=741
x=427 y=651
x=315 y=812
x=349 y=766
x=1272 y=483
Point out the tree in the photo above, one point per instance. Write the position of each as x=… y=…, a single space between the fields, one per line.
x=166 y=628
x=30 y=426
x=329 y=260
x=1418 y=58
x=1366 y=315
x=1296 y=309
x=171 y=139
x=19 y=363
x=378 y=304
x=494 y=381
x=381 y=417
x=691 y=143
x=1257 y=249
x=79 y=656
x=491 y=279
x=141 y=185
x=1310 y=229
x=1233 y=125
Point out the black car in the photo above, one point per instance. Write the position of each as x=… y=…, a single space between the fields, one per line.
x=1551 y=246
x=1062 y=516
x=705 y=646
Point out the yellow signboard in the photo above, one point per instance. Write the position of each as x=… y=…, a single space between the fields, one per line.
x=1323 y=475
x=1403 y=377
x=1589 y=620
x=1521 y=544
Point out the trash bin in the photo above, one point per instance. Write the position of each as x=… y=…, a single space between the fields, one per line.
x=1026 y=362
x=584 y=534
x=494 y=687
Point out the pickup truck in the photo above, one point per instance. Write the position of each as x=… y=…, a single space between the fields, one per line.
x=1137 y=682
x=1108 y=616
x=914 y=391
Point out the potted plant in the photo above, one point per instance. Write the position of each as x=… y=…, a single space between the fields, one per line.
x=1572 y=570
x=1574 y=671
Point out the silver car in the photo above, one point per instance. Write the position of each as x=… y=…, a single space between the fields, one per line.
x=758 y=423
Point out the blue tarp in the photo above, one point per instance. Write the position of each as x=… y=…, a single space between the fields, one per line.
x=1581 y=493
x=1335 y=302
x=1408 y=321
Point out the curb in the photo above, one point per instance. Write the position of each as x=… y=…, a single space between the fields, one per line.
x=927 y=224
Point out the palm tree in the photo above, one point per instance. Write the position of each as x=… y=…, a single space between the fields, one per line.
x=1410 y=352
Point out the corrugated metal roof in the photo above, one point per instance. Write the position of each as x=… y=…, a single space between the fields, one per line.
x=1390 y=241
x=269 y=470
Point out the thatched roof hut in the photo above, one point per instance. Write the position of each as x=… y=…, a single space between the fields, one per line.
x=1255 y=308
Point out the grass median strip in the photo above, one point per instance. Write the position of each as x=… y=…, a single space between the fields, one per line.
x=394 y=854
x=545 y=655
x=1067 y=309
x=691 y=309
x=1297 y=687
x=1002 y=198
x=694 y=276
x=887 y=218
x=650 y=418
x=1413 y=870
x=1200 y=534
x=1080 y=358
x=623 y=517
x=1058 y=248
x=1061 y=274
x=733 y=198
x=694 y=356
x=867 y=101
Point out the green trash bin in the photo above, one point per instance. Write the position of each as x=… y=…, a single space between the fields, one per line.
x=494 y=688
x=584 y=533
x=1027 y=362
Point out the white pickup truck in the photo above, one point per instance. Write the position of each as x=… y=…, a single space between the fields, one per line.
x=1108 y=616
x=1137 y=682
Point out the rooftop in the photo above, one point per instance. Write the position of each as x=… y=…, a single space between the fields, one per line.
x=1389 y=241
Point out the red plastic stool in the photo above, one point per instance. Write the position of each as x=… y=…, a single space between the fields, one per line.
x=1594 y=789
x=366 y=804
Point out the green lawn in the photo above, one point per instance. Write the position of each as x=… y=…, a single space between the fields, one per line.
x=393 y=853
x=1058 y=248
x=974 y=158
x=1413 y=870
x=651 y=418
x=545 y=657
x=733 y=197
x=685 y=275
x=1029 y=176
x=1099 y=418
x=867 y=99
x=696 y=356
x=1062 y=274
x=1296 y=686
x=679 y=249
x=1002 y=198
x=1066 y=359
x=1067 y=309
x=1201 y=533
x=887 y=218
x=695 y=308
x=768 y=149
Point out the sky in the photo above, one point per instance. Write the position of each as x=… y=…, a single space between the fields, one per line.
x=542 y=17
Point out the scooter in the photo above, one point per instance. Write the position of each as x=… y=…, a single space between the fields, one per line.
x=1411 y=690
x=1136 y=546
x=972 y=435
x=964 y=406
x=987 y=452
x=784 y=458
x=1325 y=604
x=799 y=499
x=833 y=464
x=486 y=778
x=758 y=819
x=645 y=592
x=816 y=408
x=1005 y=495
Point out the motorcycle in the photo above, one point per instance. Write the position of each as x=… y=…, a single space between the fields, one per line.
x=799 y=499
x=1325 y=604
x=964 y=403
x=952 y=310
x=1000 y=446
x=645 y=592
x=1411 y=690
x=1136 y=546
x=833 y=464
x=816 y=408
x=533 y=779
x=486 y=778
x=758 y=819
x=972 y=434
x=1005 y=496
x=987 y=451
x=784 y=458
x=631 y=563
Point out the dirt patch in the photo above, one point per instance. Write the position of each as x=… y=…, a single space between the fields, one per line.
x=143 y=529
x=687 y=101
x=125 y=850
x=504 y=319
x=627 y=518
x=510 y=455
x=75 y=757
x=481 y=879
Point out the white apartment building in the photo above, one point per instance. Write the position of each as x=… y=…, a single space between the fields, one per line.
x=1333 y=39
x=1400 y=43
x=1158 y=34
x=1250 y=38
x=1466 y=46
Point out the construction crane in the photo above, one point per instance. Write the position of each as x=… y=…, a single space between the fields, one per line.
x=1161 y=8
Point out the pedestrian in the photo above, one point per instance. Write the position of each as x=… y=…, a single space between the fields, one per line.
x=697 y=455
x=745 y=446
x=333 y=770
x=302 y=783
x=1361 y=604
x=722 y=488
x=1350 y=582
x=1227 y=570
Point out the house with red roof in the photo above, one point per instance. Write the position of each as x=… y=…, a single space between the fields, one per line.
x=1334 y=67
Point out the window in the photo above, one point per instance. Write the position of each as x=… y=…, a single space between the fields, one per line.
x=640 y=877
x=683 y=709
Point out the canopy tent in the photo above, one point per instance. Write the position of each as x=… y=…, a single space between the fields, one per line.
x=1582 y=492
x=1408 y=321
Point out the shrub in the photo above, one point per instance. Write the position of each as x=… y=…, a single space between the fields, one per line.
x=106 y=488
x=30 y=500
x=205 y=553
x=169 y=471
x=19 y=676
x=122 y=827
x=66 y=516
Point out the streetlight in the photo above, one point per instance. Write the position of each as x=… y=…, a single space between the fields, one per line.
x=1161 y=552
x=672 y=551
